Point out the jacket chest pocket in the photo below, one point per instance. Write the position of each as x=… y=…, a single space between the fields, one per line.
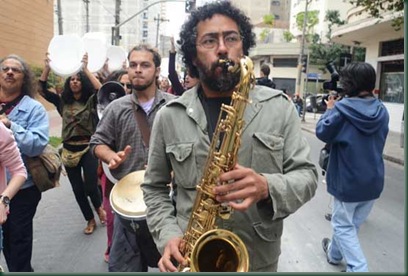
x=21 y=121
x=184 y=165
x=267 y=153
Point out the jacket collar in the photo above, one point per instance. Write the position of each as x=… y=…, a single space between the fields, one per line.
x=191 y=102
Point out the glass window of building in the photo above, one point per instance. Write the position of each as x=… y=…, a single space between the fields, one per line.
x=285 y=62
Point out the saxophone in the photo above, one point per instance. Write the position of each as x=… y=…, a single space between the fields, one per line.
x=205 y=247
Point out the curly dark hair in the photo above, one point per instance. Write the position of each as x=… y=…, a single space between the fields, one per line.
x=29 y=85
x=87 y=89
x=188 y=33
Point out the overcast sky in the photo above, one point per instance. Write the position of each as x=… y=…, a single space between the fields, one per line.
x=177 y=16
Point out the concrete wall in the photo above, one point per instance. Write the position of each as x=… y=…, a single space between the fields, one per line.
x=26 y=28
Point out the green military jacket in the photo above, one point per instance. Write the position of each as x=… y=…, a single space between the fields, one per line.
x=272 y=144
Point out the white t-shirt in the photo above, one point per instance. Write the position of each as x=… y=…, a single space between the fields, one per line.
x=147 y=105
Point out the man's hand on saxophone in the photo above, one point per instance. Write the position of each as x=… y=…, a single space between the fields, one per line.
x=246 y=187
x=171 y=251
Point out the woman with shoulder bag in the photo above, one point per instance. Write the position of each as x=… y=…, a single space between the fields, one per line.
x=77 y=106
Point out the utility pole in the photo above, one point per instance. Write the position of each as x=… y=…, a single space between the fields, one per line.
x=115 y=29
x=117 y=18
x=87 y=15
x=159 y=20
x=302 y=52
x=59 y=14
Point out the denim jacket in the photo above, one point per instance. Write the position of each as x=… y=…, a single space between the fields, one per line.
x=29 y=124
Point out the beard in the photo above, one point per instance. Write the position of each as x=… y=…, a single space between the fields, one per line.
x=141 y=87
x=217 y=77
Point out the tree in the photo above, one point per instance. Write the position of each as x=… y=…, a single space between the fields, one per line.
x=322 y=53
x=312 y=20
x=333 y=17
x=376 y=7
x=288 y=36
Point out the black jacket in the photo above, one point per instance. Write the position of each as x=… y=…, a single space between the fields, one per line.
x=265 y=82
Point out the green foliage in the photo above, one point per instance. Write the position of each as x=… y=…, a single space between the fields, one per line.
x=359 y=54
x=312 y=20
x=377 y=7
x=321 y=54
x=55 y=141
x=268 y=19
x=53 y=79
x=288 y=36
x=264 y=35
x=333 y=17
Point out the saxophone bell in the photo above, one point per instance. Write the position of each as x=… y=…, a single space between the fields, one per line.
x=207 y=248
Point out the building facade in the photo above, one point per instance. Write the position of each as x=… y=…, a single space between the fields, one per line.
x=384 y=51
x=257 y=9
x=81 y=16
x=320 y=8
x=25 y=32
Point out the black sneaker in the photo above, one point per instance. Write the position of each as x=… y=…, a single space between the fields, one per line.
x=325 y=245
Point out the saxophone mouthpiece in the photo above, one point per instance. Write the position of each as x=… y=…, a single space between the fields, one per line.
x=228 y=65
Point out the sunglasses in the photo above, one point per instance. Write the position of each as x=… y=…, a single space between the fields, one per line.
x=127 y=85
x=5 y=69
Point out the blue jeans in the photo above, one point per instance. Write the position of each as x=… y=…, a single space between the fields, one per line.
x=346 y=220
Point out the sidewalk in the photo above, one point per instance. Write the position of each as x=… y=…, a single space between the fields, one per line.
x=393 y=152
x=55 y=123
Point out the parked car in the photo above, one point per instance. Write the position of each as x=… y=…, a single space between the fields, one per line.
x=320 y=104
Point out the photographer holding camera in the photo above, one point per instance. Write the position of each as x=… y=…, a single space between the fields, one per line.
x=356 y=129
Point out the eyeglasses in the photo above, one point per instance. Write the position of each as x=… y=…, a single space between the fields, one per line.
x=127 y=85
x=211 y=42
x=5 y=69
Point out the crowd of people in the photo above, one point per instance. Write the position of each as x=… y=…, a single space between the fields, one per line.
x=165 y=126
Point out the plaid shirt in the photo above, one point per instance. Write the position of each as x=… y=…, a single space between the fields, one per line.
x=118 y=128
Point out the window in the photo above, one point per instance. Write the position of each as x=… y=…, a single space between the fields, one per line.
x=277 y=16
x=285 y=62
x=393 y=47
x=275 y=3
x=392 y=81
x=286 y=83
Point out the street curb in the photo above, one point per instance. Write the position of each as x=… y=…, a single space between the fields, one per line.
x=393 y=159
x=385 y=156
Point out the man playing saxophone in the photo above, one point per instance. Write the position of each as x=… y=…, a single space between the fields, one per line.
x=272 y=176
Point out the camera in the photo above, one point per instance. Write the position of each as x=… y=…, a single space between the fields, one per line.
x=333 y=93
x=333 y=83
